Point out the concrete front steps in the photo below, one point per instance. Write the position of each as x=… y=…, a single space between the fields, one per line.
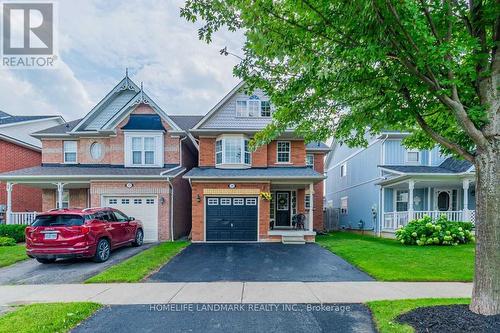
x=293 y=239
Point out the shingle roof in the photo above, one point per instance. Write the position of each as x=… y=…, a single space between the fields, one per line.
x=261 y=173
x=87 y=171
x=60 y=129
x=186 y=122
x=450 y=165
x=4 y=114
x=18 y=119
x=146 y=122
x=317 y=145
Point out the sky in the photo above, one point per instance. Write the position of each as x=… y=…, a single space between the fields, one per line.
x=98 y=40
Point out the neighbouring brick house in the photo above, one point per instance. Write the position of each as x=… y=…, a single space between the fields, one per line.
x=19 y=150
x=126 y=153
x=229 y=180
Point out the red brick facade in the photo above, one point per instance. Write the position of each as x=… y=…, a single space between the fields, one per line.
x=15 y=157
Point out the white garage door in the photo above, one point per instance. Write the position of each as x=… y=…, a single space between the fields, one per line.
x=142 y=208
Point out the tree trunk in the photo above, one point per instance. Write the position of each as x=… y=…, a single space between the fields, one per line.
x=486 y=291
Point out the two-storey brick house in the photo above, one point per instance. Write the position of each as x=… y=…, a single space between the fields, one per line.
x=227 y=185
x=126 y=153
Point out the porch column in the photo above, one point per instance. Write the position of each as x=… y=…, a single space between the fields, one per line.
x=465 y=184
x=411 y=186
x=311 y=206
x=8 y=210
x=60 y=191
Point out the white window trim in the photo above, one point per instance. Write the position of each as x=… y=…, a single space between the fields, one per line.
x=65 y=194
x=395 y=204
x=247 y=112
x=76 y=152
x=223 y=163
x=158 y=137
x=307 y=205
x=347 y=205
x=289 y=152
x=310 y=165
x=419 y=155
x=343 y=165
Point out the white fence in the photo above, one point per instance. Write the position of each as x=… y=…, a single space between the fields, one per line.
x=392 y=220
x=22 y=218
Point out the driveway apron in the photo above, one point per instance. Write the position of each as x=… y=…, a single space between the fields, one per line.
x=31 y=271
x=257 y=262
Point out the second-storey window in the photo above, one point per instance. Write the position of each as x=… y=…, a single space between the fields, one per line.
x=232 y=150
x=265 y=109
x=283 y=150
x=412 y=156
x=343 y=170
x=241 y=108
x=143 y=151
x=70 y=148
x=253 y=107
x=310 y=160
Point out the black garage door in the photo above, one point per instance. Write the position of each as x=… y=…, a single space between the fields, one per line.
x=231 y=219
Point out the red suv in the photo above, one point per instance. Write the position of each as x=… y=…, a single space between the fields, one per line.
x=81 y=233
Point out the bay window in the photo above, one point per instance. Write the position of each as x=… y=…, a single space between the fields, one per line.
x=232 y=150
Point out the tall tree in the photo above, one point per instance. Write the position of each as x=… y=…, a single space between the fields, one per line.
x=343 y=67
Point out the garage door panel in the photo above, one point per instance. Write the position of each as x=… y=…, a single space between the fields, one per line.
x=231 y=219
x=144 y=209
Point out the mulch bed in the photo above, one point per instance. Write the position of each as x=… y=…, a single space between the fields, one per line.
x=449 y=318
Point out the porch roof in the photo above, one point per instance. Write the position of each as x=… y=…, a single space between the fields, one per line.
x=90 y=173
x=449 y=166
x=281 y=173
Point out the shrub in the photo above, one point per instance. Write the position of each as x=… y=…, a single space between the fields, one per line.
x=440 y=232
x=15 y=231
x=7 y=241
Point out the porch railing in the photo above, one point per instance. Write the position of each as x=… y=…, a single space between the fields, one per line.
x=392 y=220
x=22 y=217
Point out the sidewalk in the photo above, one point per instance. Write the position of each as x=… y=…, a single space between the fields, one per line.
x=231 y=292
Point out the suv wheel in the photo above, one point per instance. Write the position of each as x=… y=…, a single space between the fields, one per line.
x=139 y=238
x=45 y=260
x=102 y=251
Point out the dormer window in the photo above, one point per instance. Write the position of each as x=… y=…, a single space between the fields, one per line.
x=253 y=107
x=232 y=151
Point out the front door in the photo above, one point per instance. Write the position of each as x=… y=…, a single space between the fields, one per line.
x=282 y=209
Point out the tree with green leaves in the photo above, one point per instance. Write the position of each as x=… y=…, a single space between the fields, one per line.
x=342 y=68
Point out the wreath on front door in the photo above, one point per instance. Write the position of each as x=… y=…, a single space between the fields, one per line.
x=282 y=201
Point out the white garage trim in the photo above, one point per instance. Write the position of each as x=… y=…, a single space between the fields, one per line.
x=144 y=197
x=205 y=202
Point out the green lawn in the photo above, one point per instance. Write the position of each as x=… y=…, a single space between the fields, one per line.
x=12 y=254
x=389 y=260
x=46 y=318
x=385 y=312
x=141 y=265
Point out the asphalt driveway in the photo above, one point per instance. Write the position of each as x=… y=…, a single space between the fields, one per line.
x=257 y=262
x=31 y=271
x=239 y=318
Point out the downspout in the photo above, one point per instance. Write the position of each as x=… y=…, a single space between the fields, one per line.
x=171 y=208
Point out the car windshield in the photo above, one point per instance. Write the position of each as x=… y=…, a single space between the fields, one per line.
x=58 y=220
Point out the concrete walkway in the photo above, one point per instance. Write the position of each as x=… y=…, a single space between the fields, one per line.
x=231 y=292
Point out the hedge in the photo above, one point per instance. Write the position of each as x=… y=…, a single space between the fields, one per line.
x=15 y=231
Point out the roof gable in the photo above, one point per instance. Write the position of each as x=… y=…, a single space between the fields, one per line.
x=116 y=105
x=223 y=114
x=119 y=96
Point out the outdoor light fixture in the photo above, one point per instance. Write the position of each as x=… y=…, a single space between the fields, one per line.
x=198 y=198
x=162 y=200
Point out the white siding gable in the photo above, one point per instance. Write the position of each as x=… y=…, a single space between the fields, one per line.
x=109 y=110
x=225 y=116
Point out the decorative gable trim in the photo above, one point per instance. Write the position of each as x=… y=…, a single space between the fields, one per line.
x=125 y=84
x=218 y=105
x=140 y=98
